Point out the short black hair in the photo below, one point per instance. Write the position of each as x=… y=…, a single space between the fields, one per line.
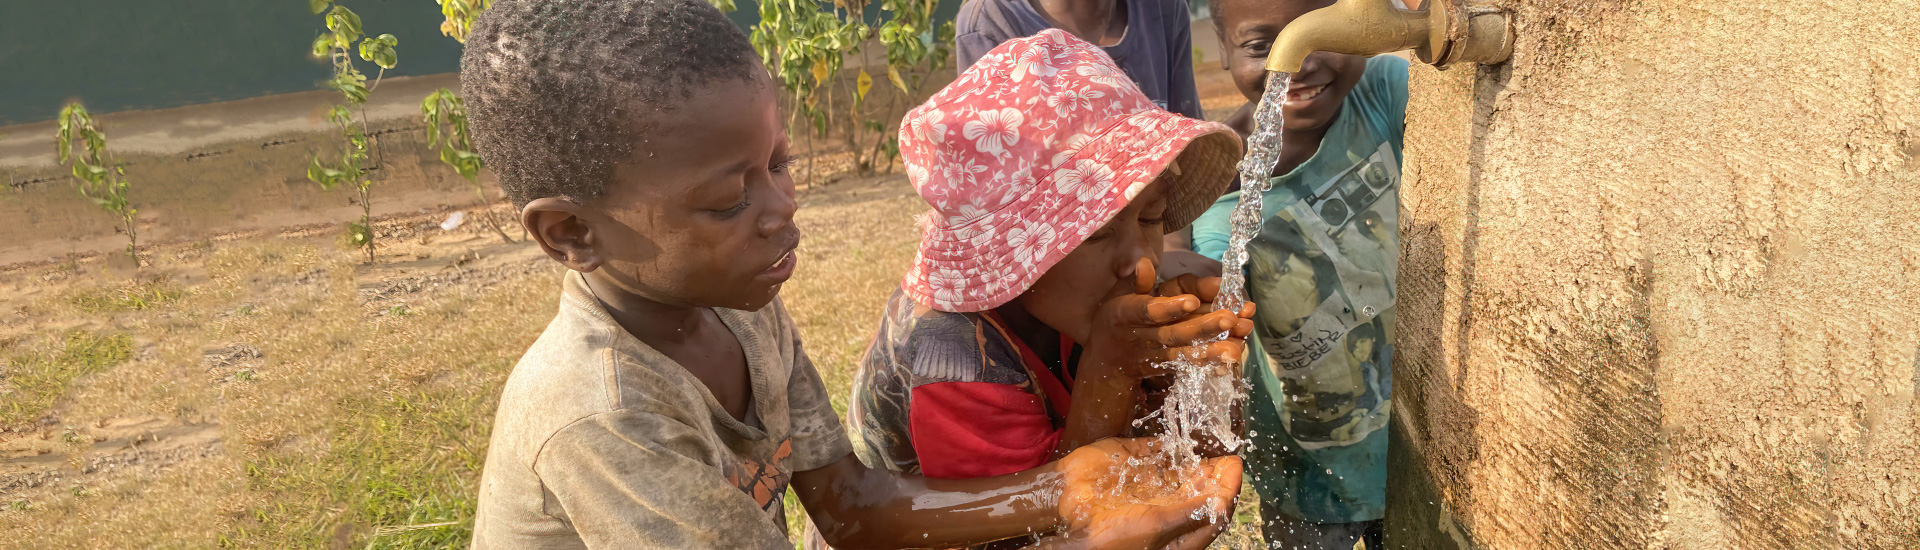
x=1369 y=330
x=559 y=91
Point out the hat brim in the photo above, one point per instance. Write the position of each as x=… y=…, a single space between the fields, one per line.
x=985 y=262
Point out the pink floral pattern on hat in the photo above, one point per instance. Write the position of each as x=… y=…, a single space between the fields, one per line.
x=1031 y=150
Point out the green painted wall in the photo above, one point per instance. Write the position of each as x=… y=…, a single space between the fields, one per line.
x=122 y=54
x=118 y=55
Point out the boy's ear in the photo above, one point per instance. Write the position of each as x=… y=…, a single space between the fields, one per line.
x=556 y=223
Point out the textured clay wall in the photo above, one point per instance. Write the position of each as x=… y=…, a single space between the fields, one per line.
x=1661 y=283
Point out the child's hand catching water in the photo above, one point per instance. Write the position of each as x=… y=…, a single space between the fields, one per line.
x=1132 y=338
x=1136 y=333
x=1116 y=498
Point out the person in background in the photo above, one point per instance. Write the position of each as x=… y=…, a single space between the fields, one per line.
x=1151 y=40
x=1322 y=270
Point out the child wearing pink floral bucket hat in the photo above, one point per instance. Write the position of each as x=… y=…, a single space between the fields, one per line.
x=1029 y=318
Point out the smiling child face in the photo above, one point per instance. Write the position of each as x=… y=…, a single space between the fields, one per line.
x=702 y=215
x=1247 y=28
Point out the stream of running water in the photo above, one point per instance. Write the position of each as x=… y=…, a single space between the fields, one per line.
x=1263 y=152
x=1203 y=397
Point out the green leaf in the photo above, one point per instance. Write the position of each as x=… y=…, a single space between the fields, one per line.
x=380 y=51
x=63 y=140
x=91 y=173
x=345 y=24
x=726 y=6
x=359 y=235
x=352 y=84
x=466 y=163
x=323 y=44
x=326 y=177
x=318 y=5
x=339 y=115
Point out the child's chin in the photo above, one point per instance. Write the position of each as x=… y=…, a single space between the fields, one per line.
x=760 y=297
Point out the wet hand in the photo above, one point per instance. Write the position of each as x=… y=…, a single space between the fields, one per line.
x=1207 y=289
x=1139 y=330
x=1109 y=503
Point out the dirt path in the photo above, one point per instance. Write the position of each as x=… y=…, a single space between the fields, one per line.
x=32 y=464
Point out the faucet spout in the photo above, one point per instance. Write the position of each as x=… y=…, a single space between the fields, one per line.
x=1358 y=27
x=1373 y=27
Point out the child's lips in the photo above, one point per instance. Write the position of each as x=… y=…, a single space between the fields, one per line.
x=782 y=269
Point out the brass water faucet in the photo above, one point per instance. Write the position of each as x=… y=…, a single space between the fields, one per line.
x=1442 y=32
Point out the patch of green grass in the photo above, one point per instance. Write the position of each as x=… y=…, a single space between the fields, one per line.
x=39 y=380
x=404 y=403
x=138 y=296
x=398 y=474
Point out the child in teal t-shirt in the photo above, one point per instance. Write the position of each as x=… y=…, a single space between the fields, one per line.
x=1322 y=270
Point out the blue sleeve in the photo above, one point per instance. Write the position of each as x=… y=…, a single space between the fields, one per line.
x=1385 y=89
x=970 y=47
x=974 y=34
x=1211 y=231
x=1183 y=96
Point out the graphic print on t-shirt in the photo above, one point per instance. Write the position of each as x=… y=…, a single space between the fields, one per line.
x=766 y=482
x=1325 y=267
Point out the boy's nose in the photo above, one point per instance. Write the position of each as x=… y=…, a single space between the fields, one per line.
x=781 y=205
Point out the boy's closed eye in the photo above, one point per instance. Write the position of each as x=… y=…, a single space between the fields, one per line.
x=730 y=203
x=741 y=199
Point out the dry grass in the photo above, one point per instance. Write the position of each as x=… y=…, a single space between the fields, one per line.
x=34 y=380
x=351 y=403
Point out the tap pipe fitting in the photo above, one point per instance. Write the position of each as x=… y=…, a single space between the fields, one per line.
x=1439 y=33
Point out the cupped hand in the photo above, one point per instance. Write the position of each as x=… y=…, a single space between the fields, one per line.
x=1108 y=502
x=1207 y=289
x=1142 y=330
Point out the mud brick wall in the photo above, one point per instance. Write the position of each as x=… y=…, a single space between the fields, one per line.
x=1661 y=282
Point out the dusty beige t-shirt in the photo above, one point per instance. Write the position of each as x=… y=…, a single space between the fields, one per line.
x=602 y=442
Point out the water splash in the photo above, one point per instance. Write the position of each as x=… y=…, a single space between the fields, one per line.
x=1204 y=394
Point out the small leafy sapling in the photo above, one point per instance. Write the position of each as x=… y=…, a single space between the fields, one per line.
x=338 y=44
x=460 y=15
x=99 y=177
x=805 y=44
x=916 y=48
x=446 y=118
x=446 y=115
